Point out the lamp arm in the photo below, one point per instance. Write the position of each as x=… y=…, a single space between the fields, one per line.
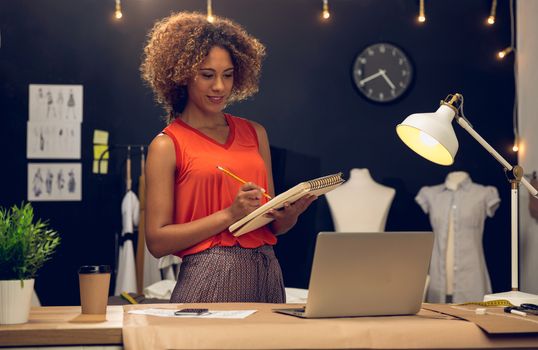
x=464 y=124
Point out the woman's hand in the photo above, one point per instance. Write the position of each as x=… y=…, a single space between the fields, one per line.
x=246 y=201
x=286 y=217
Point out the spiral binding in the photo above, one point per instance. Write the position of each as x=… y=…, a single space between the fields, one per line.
x=325 y=181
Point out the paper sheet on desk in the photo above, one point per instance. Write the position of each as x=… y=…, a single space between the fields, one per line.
x=211 y=314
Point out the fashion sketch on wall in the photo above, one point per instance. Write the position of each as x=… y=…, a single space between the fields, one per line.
x=54 y=182
x=55 y=117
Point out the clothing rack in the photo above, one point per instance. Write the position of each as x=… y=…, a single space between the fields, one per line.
x=128 y=147
x=131 y=150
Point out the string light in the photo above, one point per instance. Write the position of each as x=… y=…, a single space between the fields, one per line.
x=210 y=17
x=118 y=13
x=502 y=54
x=491 y=18
x=421 y=16
x=515 y=123
x=326 y=14
x=515 y=148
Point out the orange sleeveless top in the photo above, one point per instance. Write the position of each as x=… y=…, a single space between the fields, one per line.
x=201 y=189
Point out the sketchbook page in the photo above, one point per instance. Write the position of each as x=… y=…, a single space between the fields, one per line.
x=257 y=218
x=277 y=202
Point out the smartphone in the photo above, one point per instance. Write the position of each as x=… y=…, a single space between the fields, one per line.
x=191 y=312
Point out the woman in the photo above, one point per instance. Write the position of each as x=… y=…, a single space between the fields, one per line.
x=195 y=69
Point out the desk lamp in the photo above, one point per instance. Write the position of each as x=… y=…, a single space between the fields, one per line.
x=431 y=136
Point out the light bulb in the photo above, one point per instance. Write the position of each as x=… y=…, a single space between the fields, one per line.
x=118 y=13
x=515 y=148
x=326 y=14
x=502 y=54
x=210 y=18
x=427 y=139
x=491 y=20
x=421 y=14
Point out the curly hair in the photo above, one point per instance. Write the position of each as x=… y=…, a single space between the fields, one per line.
x=178 y=44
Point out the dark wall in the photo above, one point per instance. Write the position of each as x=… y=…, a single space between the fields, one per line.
x=307 y=103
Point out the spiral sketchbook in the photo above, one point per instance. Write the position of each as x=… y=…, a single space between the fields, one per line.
x=257 y=218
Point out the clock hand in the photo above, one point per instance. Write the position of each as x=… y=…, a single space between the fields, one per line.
x=367 y=79
x=383 y=73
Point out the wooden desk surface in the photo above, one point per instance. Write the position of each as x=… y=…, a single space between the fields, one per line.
x=267 y=330
x=64 y=325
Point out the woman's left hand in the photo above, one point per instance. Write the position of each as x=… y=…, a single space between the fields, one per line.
x=286 y=217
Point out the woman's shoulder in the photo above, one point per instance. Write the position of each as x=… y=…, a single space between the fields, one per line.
x=161 y=143
x=240 y=120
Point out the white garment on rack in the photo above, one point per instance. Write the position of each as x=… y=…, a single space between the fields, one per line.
x=126 y=275
x=152 y=274
x=167 y=264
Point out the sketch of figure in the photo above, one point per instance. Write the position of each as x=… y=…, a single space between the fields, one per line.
x=41 y=140
x=60 y=104
x=71 y=106
x=51 y=110
x=37 y=183
x=71 y=184
x=40 y=102
x=48 y=182
x=60 y=180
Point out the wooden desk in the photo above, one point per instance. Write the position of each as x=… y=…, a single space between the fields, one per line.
x=63 y=325
x=268 y=330
x=262 y=330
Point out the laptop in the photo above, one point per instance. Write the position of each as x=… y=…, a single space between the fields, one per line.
x=367 y=274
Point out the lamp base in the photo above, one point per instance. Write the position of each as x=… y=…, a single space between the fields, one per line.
x=515 y=297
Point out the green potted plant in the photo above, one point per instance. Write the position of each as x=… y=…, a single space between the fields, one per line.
x=25 y=244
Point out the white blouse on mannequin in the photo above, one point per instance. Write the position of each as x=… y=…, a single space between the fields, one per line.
x=360 y=204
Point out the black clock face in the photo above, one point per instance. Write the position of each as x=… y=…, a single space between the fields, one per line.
x=382 y=72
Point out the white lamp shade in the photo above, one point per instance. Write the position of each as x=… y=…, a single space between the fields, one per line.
x=431 y=135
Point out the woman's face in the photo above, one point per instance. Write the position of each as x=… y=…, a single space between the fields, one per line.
x=210 y=89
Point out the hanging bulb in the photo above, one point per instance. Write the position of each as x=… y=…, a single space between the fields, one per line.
x=210 y=17
x=491 y=18
x=421 y=16
x=502 y=54
x=118 y=13
x=515 y=148
x=326 y=14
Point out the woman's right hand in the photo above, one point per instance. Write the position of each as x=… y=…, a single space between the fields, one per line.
x=246 y=201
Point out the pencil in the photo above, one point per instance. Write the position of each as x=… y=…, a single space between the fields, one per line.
x=229 y=173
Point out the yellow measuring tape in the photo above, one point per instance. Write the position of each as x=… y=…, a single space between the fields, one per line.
x=129 y=298
x=499 y=302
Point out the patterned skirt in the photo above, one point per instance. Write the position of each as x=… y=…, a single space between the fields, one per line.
x=230 y=274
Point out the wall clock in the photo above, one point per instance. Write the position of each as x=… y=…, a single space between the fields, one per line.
x=382 y=72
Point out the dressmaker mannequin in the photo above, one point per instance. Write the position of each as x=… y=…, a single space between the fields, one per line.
x=458 y=209
x=360 y=204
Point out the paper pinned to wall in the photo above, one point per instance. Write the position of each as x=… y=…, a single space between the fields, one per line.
x=100 y=167
x=53 y=140
x=54 y=182
x=55 y=102
x=100 y=137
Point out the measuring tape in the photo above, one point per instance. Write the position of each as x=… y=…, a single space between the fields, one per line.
x=129 y=298
x=499 y=302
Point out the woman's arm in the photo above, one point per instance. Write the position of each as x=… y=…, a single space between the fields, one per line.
x=286 y=217
x=163 y=237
